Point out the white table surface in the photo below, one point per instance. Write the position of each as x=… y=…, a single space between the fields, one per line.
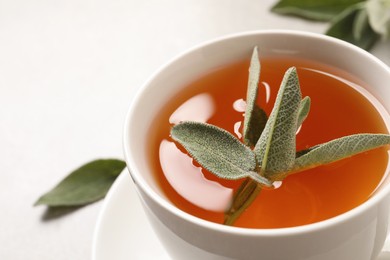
x=68 y=72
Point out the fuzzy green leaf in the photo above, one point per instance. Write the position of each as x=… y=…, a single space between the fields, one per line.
x=256 y=126
x=304 y=109
x=85 y=185
x=320 y=10
x=360 y=24
x=275 y=150
x=338 y=149
x=351 y=27
x=255 y=117
x=304 y=151
x=217 y=150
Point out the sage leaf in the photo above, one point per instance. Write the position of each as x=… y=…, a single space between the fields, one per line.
x=338 y=149
x=305 y=151
x=216 y=150
x=255 y=117
x=342 y=27
x=320 y=10
x=304 y=108
x=379 y=16
x=360 y=24
x=275 y=150
x=85 y=185
x=256 y=126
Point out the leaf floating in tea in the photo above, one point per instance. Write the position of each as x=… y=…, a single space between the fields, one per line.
x=255 y=117
x=275 y=150
x=217 y=150
x=338 y=149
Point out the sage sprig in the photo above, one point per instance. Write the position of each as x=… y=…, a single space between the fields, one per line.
x=360 y=22
x=274 y=154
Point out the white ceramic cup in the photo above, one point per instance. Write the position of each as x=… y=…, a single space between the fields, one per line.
x=358 y=234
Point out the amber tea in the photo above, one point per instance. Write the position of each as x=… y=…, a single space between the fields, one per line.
x=340 y=107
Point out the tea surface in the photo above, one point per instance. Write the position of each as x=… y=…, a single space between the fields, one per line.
x=337 y=109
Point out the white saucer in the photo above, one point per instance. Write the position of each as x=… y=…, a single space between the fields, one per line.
x=123 y=232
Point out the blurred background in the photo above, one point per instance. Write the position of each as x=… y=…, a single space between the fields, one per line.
x=68 y=72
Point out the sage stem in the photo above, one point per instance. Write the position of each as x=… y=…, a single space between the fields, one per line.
x=243 y=198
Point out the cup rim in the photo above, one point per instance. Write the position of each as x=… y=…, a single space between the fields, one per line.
x=288 y=231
